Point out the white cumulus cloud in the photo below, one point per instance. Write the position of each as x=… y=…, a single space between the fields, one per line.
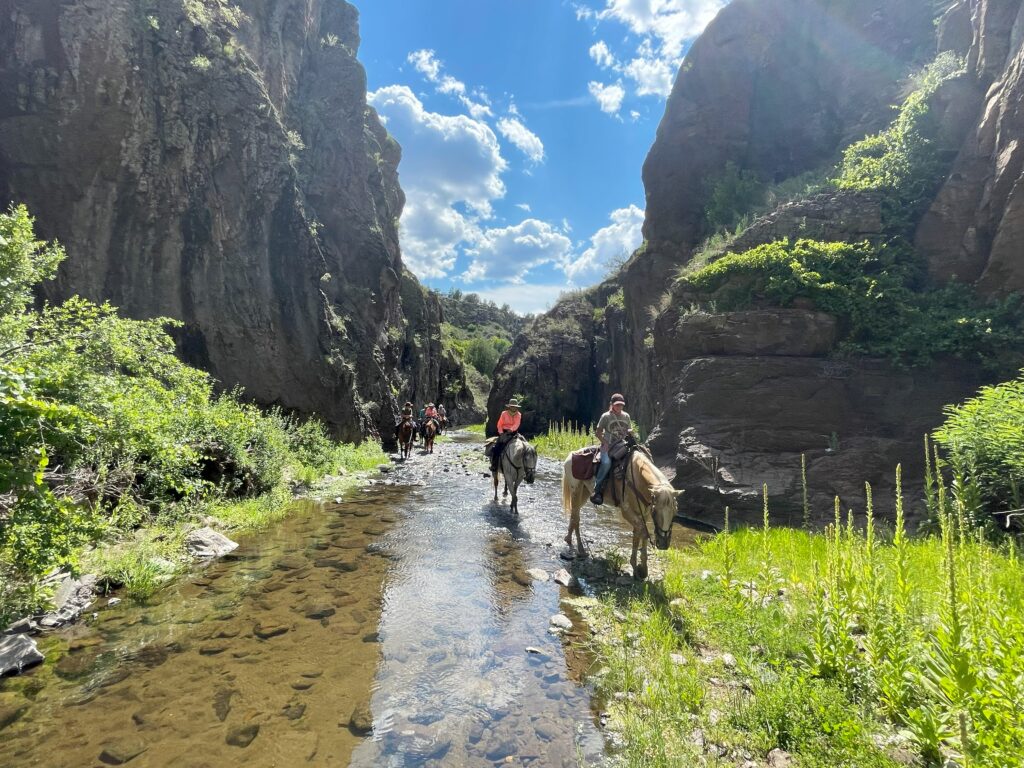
x=603 y=56
x=616 y=241
x=451 y=172
x=609 y=97
x=671 y=22
x=525 y=140
x=509 y=253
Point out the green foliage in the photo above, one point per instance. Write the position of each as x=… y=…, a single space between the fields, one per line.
x=24 y=262
x=731 y=195
x=563 y=437
x=483 y=353
x=102 y=428
x=876 y=294
x=984 y=439
x=901 y=161
x=840 y=638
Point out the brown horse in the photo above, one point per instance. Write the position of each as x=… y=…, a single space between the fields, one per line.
x=429 y=433
x=406 y=434
x=644 y=489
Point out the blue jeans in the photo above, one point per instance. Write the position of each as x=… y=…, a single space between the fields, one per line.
x=605 y=468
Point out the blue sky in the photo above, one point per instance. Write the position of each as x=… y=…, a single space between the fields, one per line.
x=524 y=125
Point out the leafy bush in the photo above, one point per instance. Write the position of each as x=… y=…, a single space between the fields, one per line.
x=984 y=438
x=102 y=427
x=874 y=291
x=731 y=195
x=902 y=160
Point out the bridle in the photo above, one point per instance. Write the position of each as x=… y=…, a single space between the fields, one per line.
x=517 y=467
x=646 y=505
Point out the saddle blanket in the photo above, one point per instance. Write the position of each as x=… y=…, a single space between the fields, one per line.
x=585 y=461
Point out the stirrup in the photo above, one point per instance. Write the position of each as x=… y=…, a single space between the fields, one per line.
x=597 y=498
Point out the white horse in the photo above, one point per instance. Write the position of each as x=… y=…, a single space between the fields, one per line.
x=645 y=489
x=518 y=463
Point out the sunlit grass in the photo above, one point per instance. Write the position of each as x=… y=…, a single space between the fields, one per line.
x=836 y=643
x=562 y=438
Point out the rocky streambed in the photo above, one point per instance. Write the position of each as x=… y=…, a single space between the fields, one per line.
x=409 y=625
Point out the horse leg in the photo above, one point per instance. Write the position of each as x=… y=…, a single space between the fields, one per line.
x=494 y=479
x=515 y=497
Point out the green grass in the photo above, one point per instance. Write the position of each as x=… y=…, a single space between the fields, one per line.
x=475 y=429
x=562 y=438
x=839 y=642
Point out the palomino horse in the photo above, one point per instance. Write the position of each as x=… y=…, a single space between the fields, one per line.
x=406 y=434
x=645 y=488
x=429 y=433
x=518 y=463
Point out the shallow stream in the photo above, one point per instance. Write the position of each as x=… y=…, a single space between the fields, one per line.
x=390 y=629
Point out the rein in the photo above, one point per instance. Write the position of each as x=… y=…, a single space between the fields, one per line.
x=645 y=504
x=517 y=467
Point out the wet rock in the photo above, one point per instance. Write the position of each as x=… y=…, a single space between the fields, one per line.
x=522 y=578
x=339 y=565
x=75 y=665
x=321 y=612
x=242 y=735
x=561 y=621
x=562 y=577
x=361 y=720
x=17 y=653
x=121 y=752
x=538 y=574
x=12 y=706
x=70 y=600
x=207 y=542
x=222 y=703
x=265 y=632
x=212 y=649
x=294 y=711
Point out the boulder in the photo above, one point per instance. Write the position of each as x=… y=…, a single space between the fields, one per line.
x=17 y=653
x=207 y=542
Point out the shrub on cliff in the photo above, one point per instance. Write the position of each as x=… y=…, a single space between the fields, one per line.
x=876 y=294
x=902 y=160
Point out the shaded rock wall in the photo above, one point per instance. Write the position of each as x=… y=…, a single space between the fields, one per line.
x=227 y=173
x=974 y=231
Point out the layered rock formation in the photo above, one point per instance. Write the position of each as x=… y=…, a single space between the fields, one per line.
x=218 y=164
x=733 y=399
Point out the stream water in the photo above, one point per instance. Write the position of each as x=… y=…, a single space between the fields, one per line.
x=406 y=607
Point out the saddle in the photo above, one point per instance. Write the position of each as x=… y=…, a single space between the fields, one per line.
x=585 y=462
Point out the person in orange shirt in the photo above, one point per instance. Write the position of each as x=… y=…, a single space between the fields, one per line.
x=508 y=428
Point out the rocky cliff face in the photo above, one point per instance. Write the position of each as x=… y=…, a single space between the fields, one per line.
x=217 y=163
x=735 y=398
x=974 y=231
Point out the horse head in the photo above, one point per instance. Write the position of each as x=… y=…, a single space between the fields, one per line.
x=665 y=504
x=529 y=462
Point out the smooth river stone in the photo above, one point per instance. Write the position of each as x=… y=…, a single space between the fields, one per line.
x=121 y=752
x=269 y=631
x=242 y=735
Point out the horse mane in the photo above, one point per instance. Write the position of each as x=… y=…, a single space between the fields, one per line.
x=649 y=471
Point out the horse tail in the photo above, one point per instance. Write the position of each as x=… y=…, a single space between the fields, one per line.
x=567 y=487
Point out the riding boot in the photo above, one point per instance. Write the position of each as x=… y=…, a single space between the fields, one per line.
x=598 y=497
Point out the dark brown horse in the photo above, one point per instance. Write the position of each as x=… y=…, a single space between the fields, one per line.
x=406 y=433
x=429 y=433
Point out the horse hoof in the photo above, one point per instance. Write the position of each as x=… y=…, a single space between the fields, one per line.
x=640 y=572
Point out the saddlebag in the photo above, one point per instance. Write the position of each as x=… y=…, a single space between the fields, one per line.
x=585 y=461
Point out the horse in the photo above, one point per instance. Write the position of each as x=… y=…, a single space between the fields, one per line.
x=406 y=435
x=518 y=463
x=645 y=488
x=429 y=433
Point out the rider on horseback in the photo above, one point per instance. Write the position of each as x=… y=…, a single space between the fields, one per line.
x=406 y=416
x=508 y=428
x=429 y=412
x=614 y=425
